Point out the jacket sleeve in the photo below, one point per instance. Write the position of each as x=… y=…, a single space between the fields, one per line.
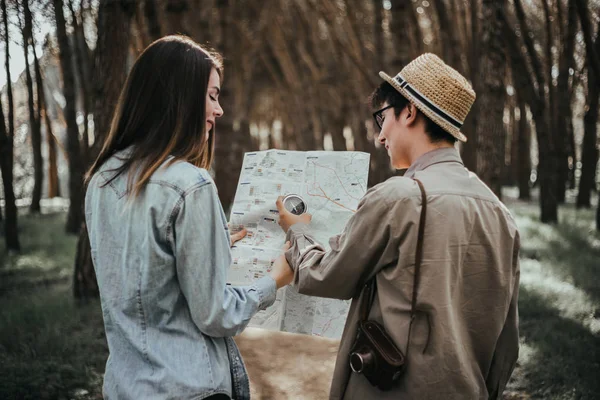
x=507 y=346
x=369 y=242
x=202 y=256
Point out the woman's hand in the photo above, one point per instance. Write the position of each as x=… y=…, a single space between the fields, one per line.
x=287 y=219
x=281 y=271
x=239 y=235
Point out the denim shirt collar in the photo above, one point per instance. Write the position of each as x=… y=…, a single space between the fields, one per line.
x=442 y=155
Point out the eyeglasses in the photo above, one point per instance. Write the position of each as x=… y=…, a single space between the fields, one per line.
x=378 y=115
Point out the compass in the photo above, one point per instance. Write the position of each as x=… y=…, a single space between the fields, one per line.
x=295 y=204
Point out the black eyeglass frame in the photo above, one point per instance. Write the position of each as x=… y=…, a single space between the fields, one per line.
x=377 y=115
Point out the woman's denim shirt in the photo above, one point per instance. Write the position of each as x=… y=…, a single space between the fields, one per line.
x=161 y=262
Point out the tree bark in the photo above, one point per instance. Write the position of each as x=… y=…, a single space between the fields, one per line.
x=524 y=151
x=34 y=120
x=176 y=11
x=586 y=27
x=83 y=73
x=378 y=42
x=589 y=150
x=451 y=47
x=400 y=12
x=11 y=233
x=560 y=156
x=598 y=217
x=233 y=136
x=53 y=180
x=152 y=22
x=76 y=166
x=490 y=130
x=535 y=97
x=469 y=149
x=110 y=56
x=564 y=123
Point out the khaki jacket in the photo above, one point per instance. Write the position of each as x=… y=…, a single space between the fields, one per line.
x=464 y=341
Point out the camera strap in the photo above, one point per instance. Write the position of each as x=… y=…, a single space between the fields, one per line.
x=371 y=286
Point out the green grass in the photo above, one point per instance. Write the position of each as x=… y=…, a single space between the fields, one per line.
x=47 y=254
x=52 y=348
x=559 y=306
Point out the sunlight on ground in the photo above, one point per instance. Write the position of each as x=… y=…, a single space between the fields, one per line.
x=572 y=302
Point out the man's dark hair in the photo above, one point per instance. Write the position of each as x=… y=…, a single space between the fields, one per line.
x=385 y=93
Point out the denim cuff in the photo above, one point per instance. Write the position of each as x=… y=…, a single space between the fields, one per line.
x=267 y=290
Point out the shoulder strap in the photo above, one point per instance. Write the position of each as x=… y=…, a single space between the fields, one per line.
x=371 y=286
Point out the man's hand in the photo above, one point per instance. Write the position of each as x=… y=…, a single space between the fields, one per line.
x=287 y=219
x=281 y=271
x=239 y=235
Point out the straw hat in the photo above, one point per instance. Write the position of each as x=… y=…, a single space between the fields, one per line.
x=437 y=90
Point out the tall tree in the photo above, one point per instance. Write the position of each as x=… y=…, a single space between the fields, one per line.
x=53 y=179
x=80 y=54
x=523 y=151
x=34 y=117
x=229 y=146
x=589 y=150
x=403 y=49
x=531 y=83
x=11 y=233
x=112 y=46
x=564 y=114
x=76 y=166
x=490 y=129
x=469 y=149
x=451 y=46
x=150 y=12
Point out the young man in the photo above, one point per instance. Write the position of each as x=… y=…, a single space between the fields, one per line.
x=464 y=338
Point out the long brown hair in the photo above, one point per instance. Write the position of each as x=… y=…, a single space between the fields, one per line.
x=161 y=111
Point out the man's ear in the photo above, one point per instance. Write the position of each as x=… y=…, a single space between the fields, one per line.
x=411 y=115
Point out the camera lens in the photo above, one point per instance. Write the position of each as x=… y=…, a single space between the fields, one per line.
x=360 y=362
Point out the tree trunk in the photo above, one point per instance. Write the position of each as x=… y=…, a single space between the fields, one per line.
x=490 y=130
x=53 y=184
x=79 y=54
x=34 y=121
x=535 y=97
x=400 y=11
x=524 y=151
x=589 y=151
x=53 y=180
x=11 y=233
x=176 y=11
x=564 y=115
x=598 y=217
x=379 y=43
x=586 y=28
x=451 y=47
x=336 y=130
x=152 y=19
x=114 y=19
x=76 y=166
x=469 y=149
x=233 y=136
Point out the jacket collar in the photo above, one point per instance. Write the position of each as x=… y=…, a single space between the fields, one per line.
x=443 y=155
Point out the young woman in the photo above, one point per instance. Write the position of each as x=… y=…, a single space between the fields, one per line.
x=159 y=237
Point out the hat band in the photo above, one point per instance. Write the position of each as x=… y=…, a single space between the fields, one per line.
x=426 y=102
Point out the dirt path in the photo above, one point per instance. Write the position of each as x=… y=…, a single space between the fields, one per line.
x=286 y=365
x=299 y=367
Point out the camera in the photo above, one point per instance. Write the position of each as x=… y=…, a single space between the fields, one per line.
x=375 y=355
